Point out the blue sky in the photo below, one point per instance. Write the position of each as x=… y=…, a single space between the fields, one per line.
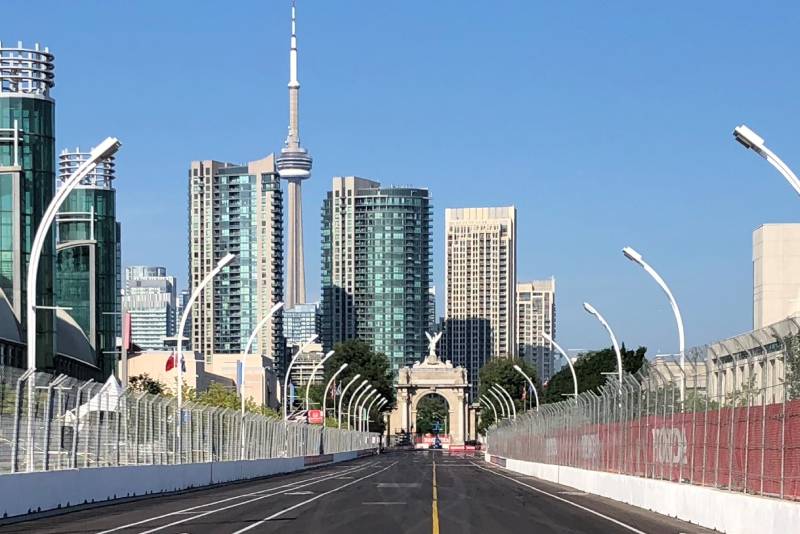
x=606 y=124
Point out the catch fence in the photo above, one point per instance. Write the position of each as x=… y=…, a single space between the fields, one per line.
x=728 y=417
x=49 y=423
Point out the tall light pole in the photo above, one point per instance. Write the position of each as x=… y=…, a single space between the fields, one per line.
x=247 y=350
x=314 y=373
x=749 y=139
x=590 y=309
x=518 y=369
x=341 y=398
x=369 y=409
x=325 y=393
x=636 y=258
x=288 y=374
x=356 y=398
x=564 y=355
x=221 y=264
x=104 y=150
x=489 y=404
x=501 y=402
x=505 y=392
x=358 y=418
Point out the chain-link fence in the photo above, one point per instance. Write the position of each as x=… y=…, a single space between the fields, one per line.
x=728 y=417
x=49 y=423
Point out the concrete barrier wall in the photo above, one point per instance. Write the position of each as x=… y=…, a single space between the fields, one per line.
x=24 y=493
x=725 y=511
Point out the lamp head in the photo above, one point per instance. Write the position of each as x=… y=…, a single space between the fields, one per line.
x=589 y=308
x=517 y=368
x=632 y=255
x=106 y=149
x=275 y=308
x=748 y=138
x=329 y=354
x=547 y=337
x=356 y=377
x=226 y=260
x=343 y=367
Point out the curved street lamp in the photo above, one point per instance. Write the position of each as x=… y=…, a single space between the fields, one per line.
x=369 y=408
x=590 y=309
x=314 y=373
x=510 y=399
x=636 y=258
x=501 y=401
x=357 y=399
x=221 y=264
x=489 y=404
x=358 y=418
x=289 y=373
x=518 y=369
x=749 y=139
x=341 y=398
x=566 y=357
x=325 y=393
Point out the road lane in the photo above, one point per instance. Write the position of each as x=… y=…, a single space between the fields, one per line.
x=405 y=492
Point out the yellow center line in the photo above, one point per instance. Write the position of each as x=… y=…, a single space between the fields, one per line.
x=435 y=507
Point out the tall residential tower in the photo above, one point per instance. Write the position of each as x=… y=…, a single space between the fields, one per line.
x=481 y=284
x=536 y=315
x=294 y=166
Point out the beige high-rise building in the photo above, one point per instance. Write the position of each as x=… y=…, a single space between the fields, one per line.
x=236 y=209
x=536 y=314
x=776 y=273
x=481 y=282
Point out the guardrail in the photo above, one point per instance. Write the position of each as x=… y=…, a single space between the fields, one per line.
x=50 y=423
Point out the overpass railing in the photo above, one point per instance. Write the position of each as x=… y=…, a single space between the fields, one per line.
x=728 y=418
x=49 y=423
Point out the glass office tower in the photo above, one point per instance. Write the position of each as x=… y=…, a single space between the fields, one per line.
x=27 y=177
x=87 y=262
x=376 y=267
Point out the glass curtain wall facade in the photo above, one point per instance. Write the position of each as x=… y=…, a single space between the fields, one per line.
x=87 y=263
x=376 y=272
x=27 y=177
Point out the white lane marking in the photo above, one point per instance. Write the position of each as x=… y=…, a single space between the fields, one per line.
x=383 y=503
x=290 y=485
x=576 y=505
x=344 y=478
x=572 y=493
x=312 y=499
x=300 y=493
x=398 y=484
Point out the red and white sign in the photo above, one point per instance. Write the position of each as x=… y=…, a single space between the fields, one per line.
x=426 y=440
x=314 y=417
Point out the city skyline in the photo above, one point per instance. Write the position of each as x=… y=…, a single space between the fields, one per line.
x=636 y=163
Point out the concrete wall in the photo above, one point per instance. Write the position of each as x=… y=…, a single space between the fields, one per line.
x=729 y=512
x=24 y=493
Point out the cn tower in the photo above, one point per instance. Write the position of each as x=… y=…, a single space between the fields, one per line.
x=294 y=166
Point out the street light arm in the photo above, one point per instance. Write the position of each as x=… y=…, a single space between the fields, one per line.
x=325 y=393
x=590 y=309
x=288 y=374
x=359 y=419
x=356 y=398
x=314 y=373
x=749 y=139
x=341 y=397
x=510 y=399
x=490 y=404
x=566 y=357
x=501 y=402
x=258 y=328
x=533 y=386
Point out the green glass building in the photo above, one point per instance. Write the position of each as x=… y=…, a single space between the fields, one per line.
x=87 y=262
x=376 y=267
x=27 y=177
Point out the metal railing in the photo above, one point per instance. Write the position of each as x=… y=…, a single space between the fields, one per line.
x=75 y=424
x=735 y=426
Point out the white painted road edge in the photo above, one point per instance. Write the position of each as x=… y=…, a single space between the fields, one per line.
x=25 y=493
x=724 y=511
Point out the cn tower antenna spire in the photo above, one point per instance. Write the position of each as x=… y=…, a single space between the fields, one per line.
x=294 y=166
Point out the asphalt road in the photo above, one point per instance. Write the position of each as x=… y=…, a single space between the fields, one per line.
x=404 y=492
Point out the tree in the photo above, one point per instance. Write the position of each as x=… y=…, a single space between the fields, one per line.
x=144 y=383
x=589 y=369
x=372 y=366
x=501 y=371
x=224 y=397
x=431 y=412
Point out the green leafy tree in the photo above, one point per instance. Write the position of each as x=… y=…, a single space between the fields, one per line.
x=501 y=371
x=589 y=369
x=372 y=366
x=432 y=411
x=225 y=397
x=144 y=383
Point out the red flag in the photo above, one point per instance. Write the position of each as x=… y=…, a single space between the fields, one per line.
x=171 y=361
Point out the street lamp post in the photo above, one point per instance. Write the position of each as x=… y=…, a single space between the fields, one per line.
x=490 y=405
x=505 y=392
x=314 y=373
x=325 y=393
x=288 y=374
x=221 y=264
x=637 y=258
x=590 y=309
x=749 y=139
x=358 y=418
x=566 y=357
x=502 y=403
x=518 y=369
x=247 y=350
x=369 y=409
x=356 y=398
x=341 y=398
